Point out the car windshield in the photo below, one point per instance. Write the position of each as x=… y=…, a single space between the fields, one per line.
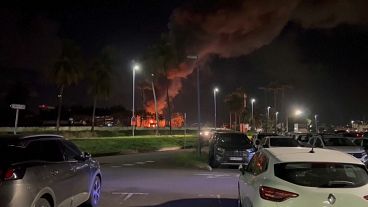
x=283 y=142
x=323 y=175
x=234 y=140
x=338 y=141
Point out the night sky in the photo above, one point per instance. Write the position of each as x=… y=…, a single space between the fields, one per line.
x=326 y=64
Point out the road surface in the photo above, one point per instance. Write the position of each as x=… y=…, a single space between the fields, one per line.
x=136 y=180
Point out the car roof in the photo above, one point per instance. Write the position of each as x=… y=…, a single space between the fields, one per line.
x=29 y=137
x=303 y=154
x=280 y=137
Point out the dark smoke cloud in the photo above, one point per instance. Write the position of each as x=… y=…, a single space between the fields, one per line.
x=238 y=27
x=27 y=42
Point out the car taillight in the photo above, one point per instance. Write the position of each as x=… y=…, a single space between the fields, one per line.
x=276 y=195
x=13 y=174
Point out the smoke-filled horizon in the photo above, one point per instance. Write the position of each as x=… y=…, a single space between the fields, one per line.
x=229 y=29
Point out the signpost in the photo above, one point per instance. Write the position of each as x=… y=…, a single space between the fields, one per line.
x=17 y=107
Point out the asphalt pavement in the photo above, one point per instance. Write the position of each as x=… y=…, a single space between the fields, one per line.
x=136 y=180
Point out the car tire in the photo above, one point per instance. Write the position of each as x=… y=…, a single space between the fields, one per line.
x=42 y=202
x=95 y=194
x=213 y=163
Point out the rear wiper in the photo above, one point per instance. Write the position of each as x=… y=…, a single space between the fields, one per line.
x=338 y=183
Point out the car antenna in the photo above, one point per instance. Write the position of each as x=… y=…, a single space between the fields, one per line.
x=312 y=150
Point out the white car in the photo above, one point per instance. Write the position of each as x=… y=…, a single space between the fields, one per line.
x=302 y=177
x=279 y=141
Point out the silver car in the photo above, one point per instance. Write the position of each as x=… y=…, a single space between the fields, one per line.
x=339 y=143
x=46 y=171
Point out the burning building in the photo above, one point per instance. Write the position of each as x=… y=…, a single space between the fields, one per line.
x=149 y=121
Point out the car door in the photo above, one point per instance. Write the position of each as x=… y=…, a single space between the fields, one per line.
x=55 y=173
x=80 y=172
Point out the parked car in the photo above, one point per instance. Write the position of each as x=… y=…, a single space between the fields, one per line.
x=261 y=135
x=278 y=141
x=230 y=148
x=363 y=142
x=299 y=177
x=46 y=171
x=339 y=143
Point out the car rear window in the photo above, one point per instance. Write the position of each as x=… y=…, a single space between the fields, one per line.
x=337 y=141
x=11 y=153
x=283 y=142
x=323 y=175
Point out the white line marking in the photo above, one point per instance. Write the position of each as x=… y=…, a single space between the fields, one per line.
x=128 y=164
x=150 y=161
x=116 y=166
x=218 y=196
x=140 y=163
x=128 y=196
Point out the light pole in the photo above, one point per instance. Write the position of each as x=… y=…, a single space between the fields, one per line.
x=268 y=117
x=276 y=116
x=154 y=98
x=133 y=121
x=215 y=91
x=316 y=122
x=252 y=103
x=194 y=57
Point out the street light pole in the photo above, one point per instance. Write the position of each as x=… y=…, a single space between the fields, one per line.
x=316 y=122
x=252 y=103
x=276 y=117
x=215 y=90
x=154 y=98
x=133 y=121
x=268 y=117
x=199 y=147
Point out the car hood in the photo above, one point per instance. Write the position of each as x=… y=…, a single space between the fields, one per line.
x=346 y=149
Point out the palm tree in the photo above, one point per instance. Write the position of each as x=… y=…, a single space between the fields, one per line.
x=66 y=71
x=235 y=103
x=100 y=77
x=160 y=57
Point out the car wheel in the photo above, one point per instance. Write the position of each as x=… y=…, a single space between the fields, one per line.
x=95 y=194
x=42 y=202
x=213 y=163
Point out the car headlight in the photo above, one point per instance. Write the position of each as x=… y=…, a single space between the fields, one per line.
x=221 y=150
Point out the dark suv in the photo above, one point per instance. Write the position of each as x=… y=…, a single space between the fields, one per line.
x=45 y=171
x=230 y=148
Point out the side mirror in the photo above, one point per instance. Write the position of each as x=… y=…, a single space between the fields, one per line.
x=86 y=155
x=242 y=169
x=83 y=157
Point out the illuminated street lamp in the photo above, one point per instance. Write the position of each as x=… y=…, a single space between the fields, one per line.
x=199 y=147
x=316 y=122
x=215 y=91
x=252 y=103
x=298 y=112
x=276 y=116
x=268 y=116
x=133 y=121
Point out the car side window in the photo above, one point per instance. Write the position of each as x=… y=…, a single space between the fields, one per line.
x=45 y=150
x=70 y=151
x=258 y=164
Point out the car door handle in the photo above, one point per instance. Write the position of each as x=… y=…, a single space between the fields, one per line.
x=54 y=172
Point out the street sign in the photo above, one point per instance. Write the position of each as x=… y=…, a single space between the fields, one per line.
x=18 y=106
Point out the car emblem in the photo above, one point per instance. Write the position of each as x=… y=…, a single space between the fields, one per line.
x=331 y=199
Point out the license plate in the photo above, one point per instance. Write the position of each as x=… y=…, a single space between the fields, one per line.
x=236 y=158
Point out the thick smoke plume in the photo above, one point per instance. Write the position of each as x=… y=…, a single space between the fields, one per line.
x=238 y=27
